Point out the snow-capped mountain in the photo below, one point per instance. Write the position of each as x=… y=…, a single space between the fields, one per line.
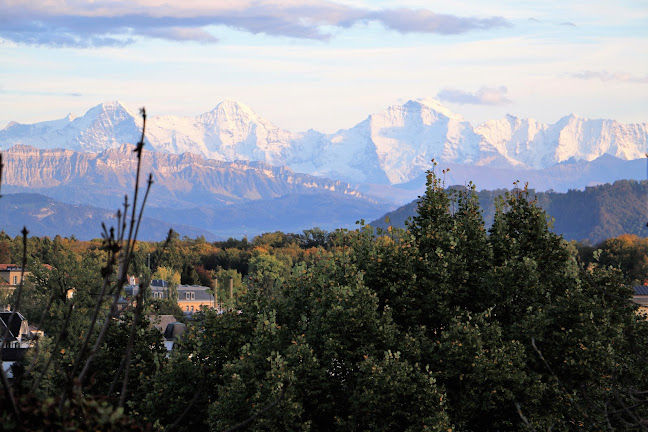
x=391 y=147
x=104 y=126
x=538 y=145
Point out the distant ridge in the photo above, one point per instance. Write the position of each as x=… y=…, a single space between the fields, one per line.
x=222 y=198
x=594 y=214
x=44 y=216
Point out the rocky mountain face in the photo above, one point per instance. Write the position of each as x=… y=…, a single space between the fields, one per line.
x=391 y=147
x=180 y=180
x=192 y=194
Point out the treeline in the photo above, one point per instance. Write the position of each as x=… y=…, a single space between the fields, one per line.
x=273 y=255
x=446 y=326
x=185 y=260
x=591 y=215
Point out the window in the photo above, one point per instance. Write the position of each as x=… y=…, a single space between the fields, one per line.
x=190 y=296
x=193 y=296
x=192 y=308
x=187 y=296
x=187 y=308
x=15 y=280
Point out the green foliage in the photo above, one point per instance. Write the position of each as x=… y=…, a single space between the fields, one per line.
x=167 y=306
x=223 y=278
x=267 y=273
x=167 y=274
x=82 y=413
x=148 y=357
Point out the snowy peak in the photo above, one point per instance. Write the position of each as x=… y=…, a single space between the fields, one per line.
x=539 y=145
x=435 y=105
x=393 y=146
x=114 y=110
x=231 y=110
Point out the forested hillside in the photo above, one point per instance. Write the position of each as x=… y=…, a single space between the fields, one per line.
x=592 y=215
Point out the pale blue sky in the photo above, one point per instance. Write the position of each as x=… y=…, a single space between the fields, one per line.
x=325 y=64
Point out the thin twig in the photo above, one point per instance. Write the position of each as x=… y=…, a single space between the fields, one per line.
x=56 y=346
x=93 y=321
x=129 y=347
x=102 y=334
x=3 y=377
x=523 y=417
x=37 y=344
x=125 y=261
x=9 y=392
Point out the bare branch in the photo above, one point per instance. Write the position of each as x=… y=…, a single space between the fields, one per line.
x=55 y=352
x=129 y=347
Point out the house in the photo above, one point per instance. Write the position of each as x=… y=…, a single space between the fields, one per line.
x=191 y=298
x=171 y=334
x=18 y=338
x=640 y=296
x=159 y=289
x=12 y=275
x=17 y=329
x=169 y=327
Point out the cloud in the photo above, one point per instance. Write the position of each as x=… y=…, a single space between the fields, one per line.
x=39 y=93
x=568 y=24
x=608 y=76
x=483 y=96
x=75 y=23
x=425 y=21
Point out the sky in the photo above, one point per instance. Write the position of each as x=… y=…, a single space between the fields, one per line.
x=325 y=65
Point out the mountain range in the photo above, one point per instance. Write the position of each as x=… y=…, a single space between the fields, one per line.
x=224 y=198
x=230 y=172
x=392 y=147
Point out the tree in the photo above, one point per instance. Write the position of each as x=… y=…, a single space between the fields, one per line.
x=267 y=273
x=167 y=274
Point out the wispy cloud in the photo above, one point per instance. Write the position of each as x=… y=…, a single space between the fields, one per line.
x=76 y=23
x=425 y=21
x=609 y=76
x=483 y=96
x=38 y=93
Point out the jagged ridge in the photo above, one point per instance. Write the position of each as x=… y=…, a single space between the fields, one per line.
x=391 y=147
